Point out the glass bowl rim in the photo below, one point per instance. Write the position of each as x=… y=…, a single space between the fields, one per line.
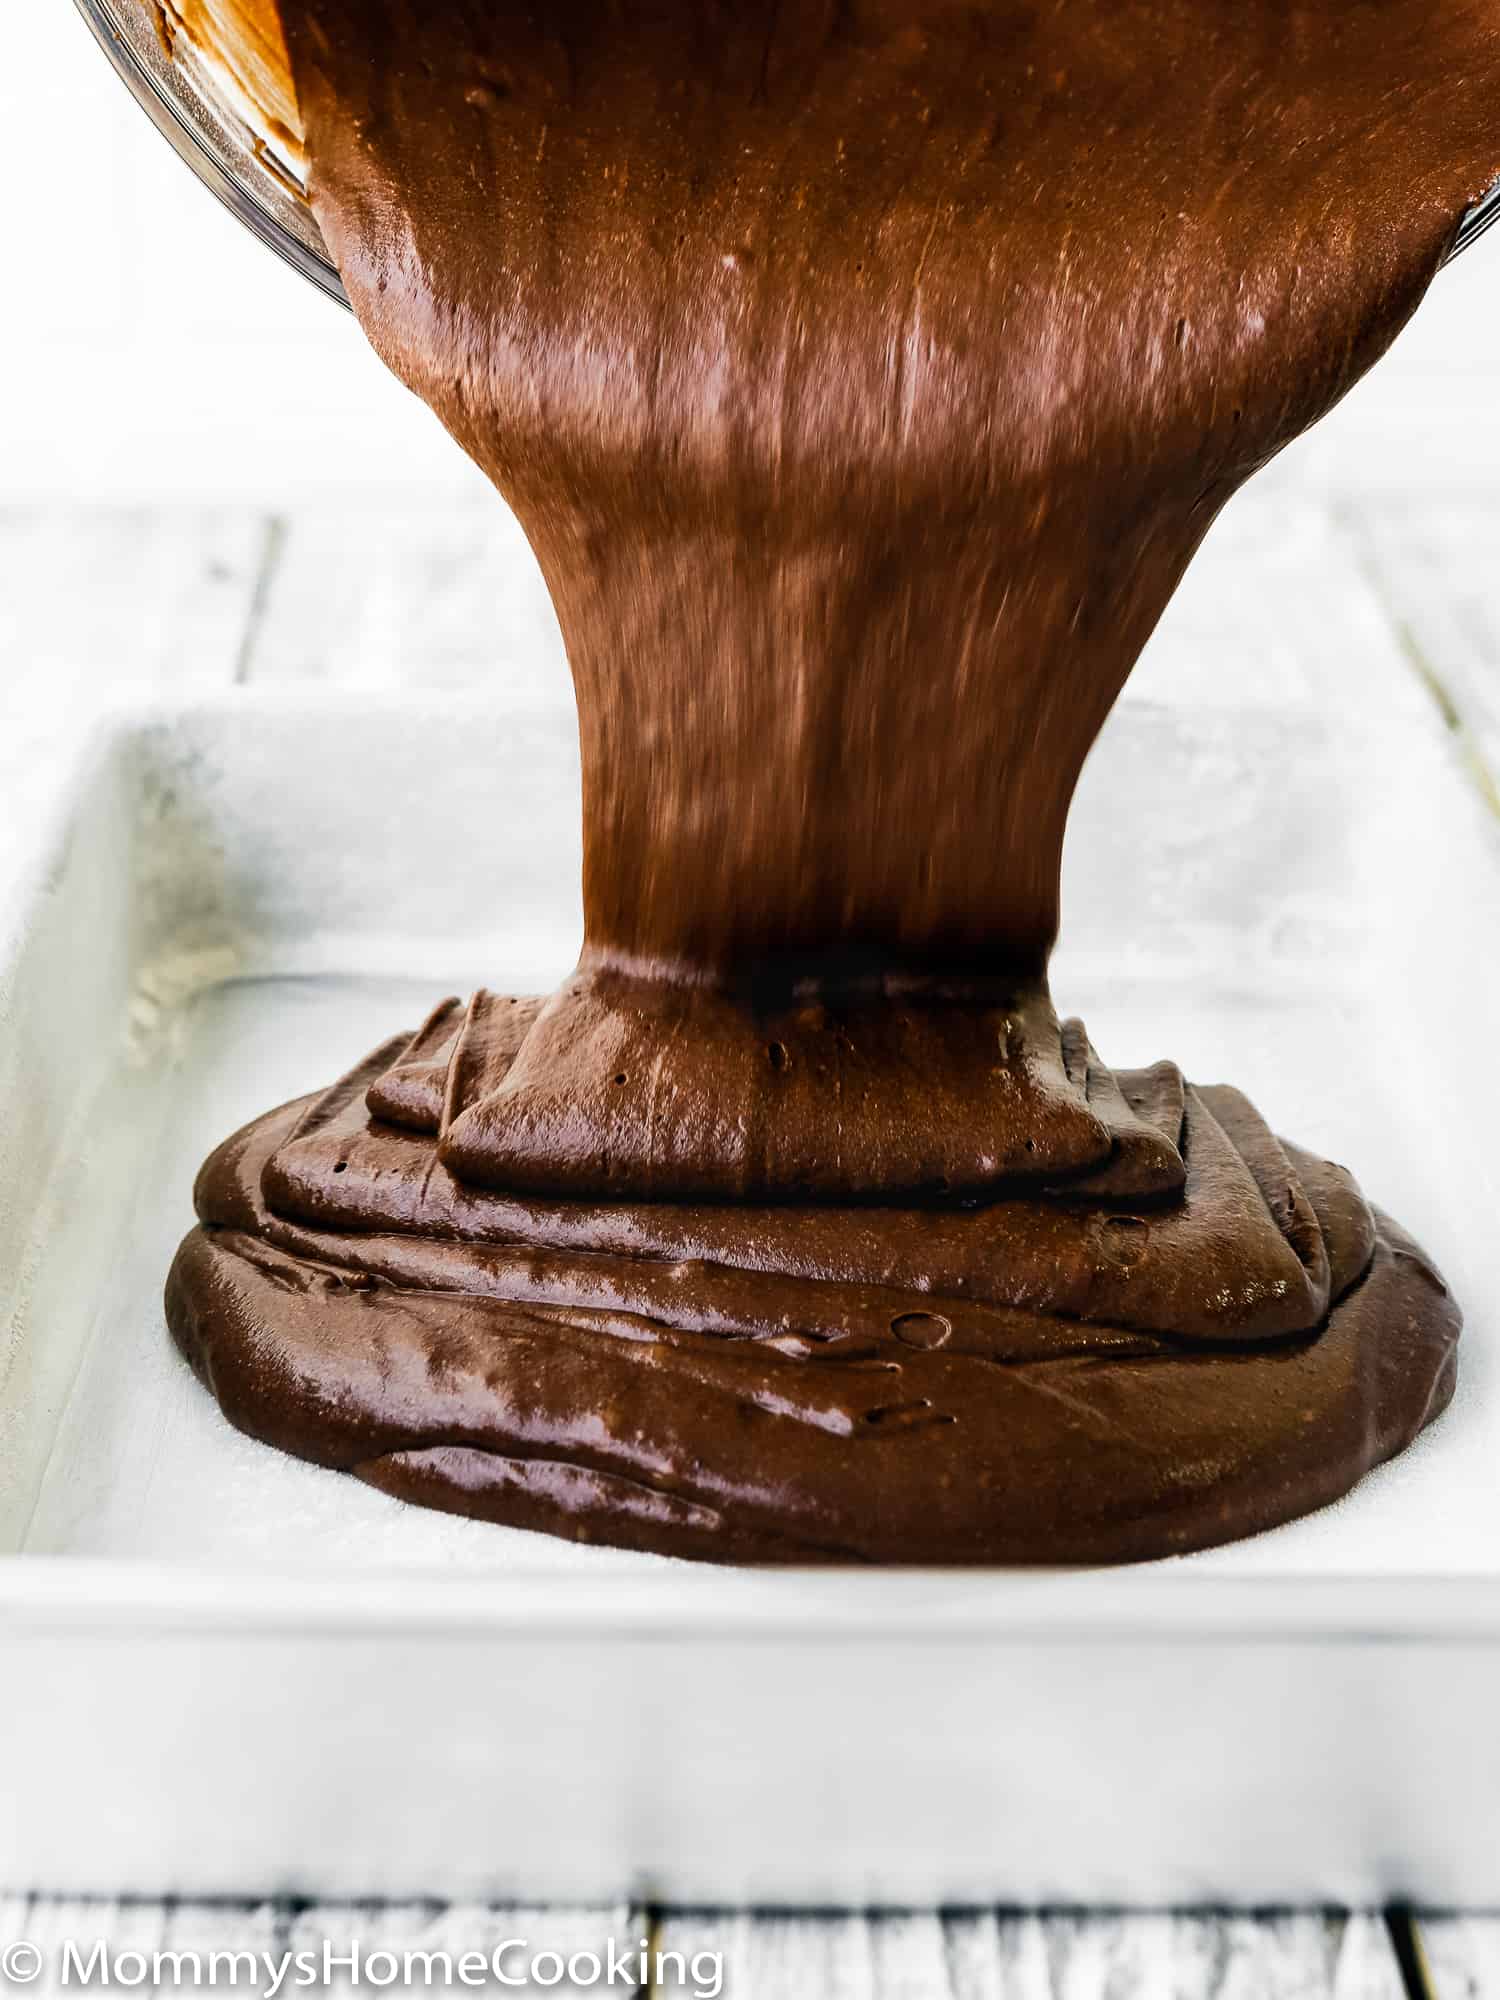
x=248 y=189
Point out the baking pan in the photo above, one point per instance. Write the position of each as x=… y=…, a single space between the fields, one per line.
x=224 y=1672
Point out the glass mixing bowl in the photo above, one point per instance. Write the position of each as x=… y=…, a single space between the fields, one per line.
x=188 y=105
x=192 y=110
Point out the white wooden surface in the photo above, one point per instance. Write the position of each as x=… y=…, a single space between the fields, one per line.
x=1293 y=603
x=960 y=1956
x=1463 y=1957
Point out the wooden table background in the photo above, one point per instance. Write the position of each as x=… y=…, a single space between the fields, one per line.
x=1392 y=608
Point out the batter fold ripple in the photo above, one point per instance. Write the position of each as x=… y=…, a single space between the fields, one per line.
x=1062 y=1374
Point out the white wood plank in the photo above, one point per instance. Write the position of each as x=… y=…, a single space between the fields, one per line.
x=1027 y=1956
x=1437 y=568
x=96 y=602
x=770 y=1956
x=52 y=1924
x=1312 y=1955
x=450 y=598
x=1461 y=1956
x=458 y=1928
x=271 y=1929
x=105 y=597
x=1276 y=612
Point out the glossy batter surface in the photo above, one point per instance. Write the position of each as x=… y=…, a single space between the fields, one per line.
x=864 y=376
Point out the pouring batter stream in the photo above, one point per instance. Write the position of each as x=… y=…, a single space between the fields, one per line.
x=864 y=374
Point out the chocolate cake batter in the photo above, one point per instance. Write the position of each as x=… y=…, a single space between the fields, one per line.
x=864 y=373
